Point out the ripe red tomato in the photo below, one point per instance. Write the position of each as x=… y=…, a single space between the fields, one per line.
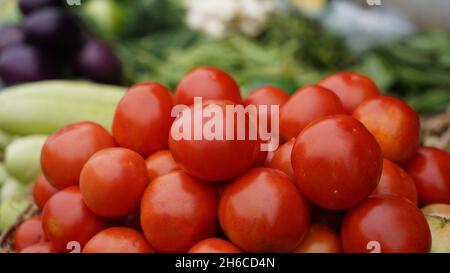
x=118 y=240
x=177 y=211
x=66 y=151
x=267 y=95
x=214 y=245
x=394 y=124
x=209 y=83
x=217 y=158
x=143 y=118
x=352 y=88
x=331 y=218
x=160 y=163
x=430 y=170
x=337 y=162
x=395 y=181
x=394 y=223
x=263 y=211
x=42 y=247
x=66 y=218
x=320 y=239
x=282 y=158
x=113 y=181
x=29 y=233
x=307 y=104
x=42 y=191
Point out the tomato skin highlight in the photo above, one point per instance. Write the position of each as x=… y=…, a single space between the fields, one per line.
x=143 y=118
x=337 y=162
x=352 y=88
x=263 y=211
x=320 y=239
x=430 y=170
x=159 y=163
x=281 y=159
x=29 y=233
x=214 y=245
x=177 y=211
x=42 y=191
x=395 y=223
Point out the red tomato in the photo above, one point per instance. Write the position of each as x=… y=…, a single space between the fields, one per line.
x=177 y=211
x=430 y=170
x=118 y=240
x=393 y=223
x=113 y=181
x=331 y=218
x=209 y=83
x=351 y=88
x=394 y=124
x=263 y=211
x=395 y=181
x=66 y=218
x=307 y=104
x=267 y=95
x=337 y=162
x=66 y=151
x=214 y=245
x=29 y=233
x=42 y=191
x=282 y=158
x=320 y=239
x=217 y=158
x=42 y=247
x=160 y=163
x=143 y=118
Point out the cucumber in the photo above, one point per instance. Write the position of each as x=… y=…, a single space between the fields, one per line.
x=46 y=106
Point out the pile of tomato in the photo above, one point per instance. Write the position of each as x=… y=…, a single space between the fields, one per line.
x=349 y=173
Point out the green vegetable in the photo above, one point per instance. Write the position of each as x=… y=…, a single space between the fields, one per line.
x=5 y=139
x=11 y=189
x=3 y=174
x=44 y=107
x=22 y=158
x=10 y=209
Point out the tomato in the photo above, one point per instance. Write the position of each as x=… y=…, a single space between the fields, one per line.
x=282 y=158
x=395 y=181
x=42 y=191
x=118 y=240
x=209 y=83
x=29 y=233
x=320 y=239
x=352 y=88
x=394 y=124
x=42 y=247
x=263 y=211
x=160 y=163
x=337 y=162
x=113 y=181
x=394 y=223
x=217 y=157
x=214 y=245
x=267 y=95
x=331 y=218
x=177 y=211
x=430 y=170
x=143 y=118
x=66 y=218
x=307 y=104
x=66 y=151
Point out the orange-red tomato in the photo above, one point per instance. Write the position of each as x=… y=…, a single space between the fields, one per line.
x=395 y=181
x=118 y=240
x=320 y=239
x=394 y=124
x=352 y=88
x=42 y=247
x=282 y=158
x=29 y=233
x=143 y=118
x=214 y=245
x=392 y=223
x=209 y=83
x=66 y=218
x=177 y=211
x=267 y=95
x=337 y=162
x=42 y=191
x=430 y=170
x=263 y=211
x=66 y=151
x=307 y=104
x=160 y=163
x=113 y=181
